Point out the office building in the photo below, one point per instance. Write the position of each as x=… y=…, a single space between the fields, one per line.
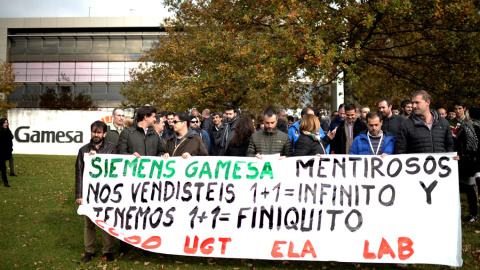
x=90 y=55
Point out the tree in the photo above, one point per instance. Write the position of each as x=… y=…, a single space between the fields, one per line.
x=258 y=53
x=7 y=86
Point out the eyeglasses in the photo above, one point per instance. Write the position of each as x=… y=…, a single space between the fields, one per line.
x=194 y=121
x=177 y=121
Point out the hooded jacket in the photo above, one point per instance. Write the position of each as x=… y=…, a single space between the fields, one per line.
x=191 y=143
x=225 y=135
x=134 y=139
x=335 y=123
x=415 y=137
x=361 y=145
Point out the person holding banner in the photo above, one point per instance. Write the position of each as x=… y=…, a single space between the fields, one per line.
x=269 y=141
x=374 y=140
x=185 y=142
x=97 y=144
x=310 y=142
x=424 y=131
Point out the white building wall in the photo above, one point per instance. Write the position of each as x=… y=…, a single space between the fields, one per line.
x=51 y=132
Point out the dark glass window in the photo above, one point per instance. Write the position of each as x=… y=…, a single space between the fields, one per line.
x=50 y=42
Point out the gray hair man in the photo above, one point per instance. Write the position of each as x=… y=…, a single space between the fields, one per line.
x=115 y=127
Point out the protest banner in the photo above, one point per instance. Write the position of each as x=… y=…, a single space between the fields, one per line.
x=398 y=209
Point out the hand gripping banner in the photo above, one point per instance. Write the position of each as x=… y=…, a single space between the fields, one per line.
x=397 y=209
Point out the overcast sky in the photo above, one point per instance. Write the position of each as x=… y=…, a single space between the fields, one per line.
x=80 y=8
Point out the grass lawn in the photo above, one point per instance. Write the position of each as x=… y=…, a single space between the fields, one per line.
x=40 y=229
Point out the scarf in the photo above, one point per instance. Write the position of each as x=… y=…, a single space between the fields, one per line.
x=314 y=137
x=471 y=137
x=349 y=142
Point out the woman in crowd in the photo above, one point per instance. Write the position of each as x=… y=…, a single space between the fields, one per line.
x=309 y=142
x=468 y=149
x=260 y=125
x=241 y=138
x=6 y=148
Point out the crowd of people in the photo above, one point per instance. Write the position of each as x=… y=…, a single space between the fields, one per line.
x=384 y=130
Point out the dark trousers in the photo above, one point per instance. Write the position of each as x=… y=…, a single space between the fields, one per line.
x=472 y=197
x=3 y=169
x=12 y=166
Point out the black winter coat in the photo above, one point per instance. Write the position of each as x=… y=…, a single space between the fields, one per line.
x=393 y=123
x=106 y=148
x=207 y=124
x=282 y=126
x=237 y=151
x=306 y=146
x=6 y=144
x=415 y=137
x=338 y=145
x=469 y=163
x=225 y=135
x=134 y=140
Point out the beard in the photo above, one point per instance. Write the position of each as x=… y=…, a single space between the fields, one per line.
x=97 y=140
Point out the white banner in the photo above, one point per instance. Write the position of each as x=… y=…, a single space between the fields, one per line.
x=52 y=132
x=400 y=209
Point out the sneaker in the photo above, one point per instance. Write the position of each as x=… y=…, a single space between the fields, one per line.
x=471 y=218
x=13 y=174
x=87 y=257
x=109 y=257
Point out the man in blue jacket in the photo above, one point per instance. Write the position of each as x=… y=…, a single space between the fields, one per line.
x=374 y=140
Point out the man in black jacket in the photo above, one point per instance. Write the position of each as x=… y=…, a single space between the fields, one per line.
x=226 y=130
x=141 y=139
x=168 y=129
x=207 y=123
x=424 y=131
x=391 y=121
x=97 y=144
x=347 y=131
